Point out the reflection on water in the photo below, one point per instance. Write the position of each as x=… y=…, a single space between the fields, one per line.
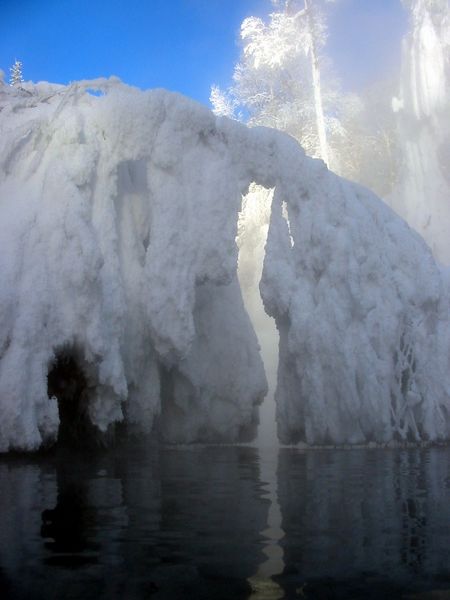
x=365 y=523
x=166 y=523
x=263 y=583
x=225 y=522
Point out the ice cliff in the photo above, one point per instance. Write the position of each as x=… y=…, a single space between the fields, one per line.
x=118 y=223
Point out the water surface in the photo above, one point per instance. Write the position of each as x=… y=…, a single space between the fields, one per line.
x=225 y=522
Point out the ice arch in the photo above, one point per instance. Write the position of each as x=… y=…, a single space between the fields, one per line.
x=118 y=226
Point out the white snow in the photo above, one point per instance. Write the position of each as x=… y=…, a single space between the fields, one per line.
x=118 y=224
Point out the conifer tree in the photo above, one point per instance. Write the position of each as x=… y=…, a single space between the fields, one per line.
x=16 y=73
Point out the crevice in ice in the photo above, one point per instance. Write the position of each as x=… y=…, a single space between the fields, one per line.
x=68 y=383
x=253 y=227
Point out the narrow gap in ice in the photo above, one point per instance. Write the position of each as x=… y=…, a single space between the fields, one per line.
x=252 y=235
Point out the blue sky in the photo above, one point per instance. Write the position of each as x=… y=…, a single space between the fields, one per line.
x=182 y=45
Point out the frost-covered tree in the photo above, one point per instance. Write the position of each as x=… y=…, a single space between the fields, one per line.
x=314 y=38
x=274 y=79
x=16 y=73
x=278 y=81
x=224 y=105
x=284 y=80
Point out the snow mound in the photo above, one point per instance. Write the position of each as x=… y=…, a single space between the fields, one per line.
x=119 y=294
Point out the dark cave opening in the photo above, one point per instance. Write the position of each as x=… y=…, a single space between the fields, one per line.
x=67 y=382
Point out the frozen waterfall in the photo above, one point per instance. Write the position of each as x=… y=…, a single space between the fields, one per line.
x=118 y=285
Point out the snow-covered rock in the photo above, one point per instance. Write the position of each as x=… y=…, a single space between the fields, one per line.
x=118 y=223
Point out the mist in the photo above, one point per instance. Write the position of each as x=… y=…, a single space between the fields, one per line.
x=252 y=236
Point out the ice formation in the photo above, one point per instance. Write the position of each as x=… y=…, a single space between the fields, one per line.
x=118 y=226
x=422 y=196
x=362 y=312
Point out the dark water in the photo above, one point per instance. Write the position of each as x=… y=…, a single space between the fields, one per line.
x=226 y=522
